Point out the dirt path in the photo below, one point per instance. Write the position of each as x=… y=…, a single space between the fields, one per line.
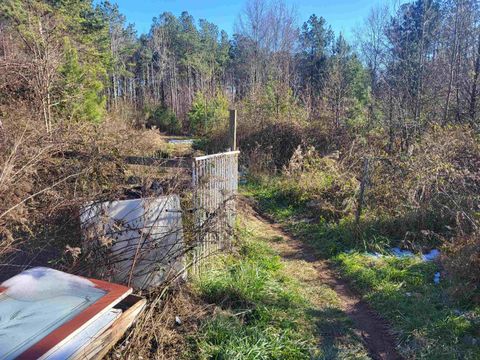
x=302 y=263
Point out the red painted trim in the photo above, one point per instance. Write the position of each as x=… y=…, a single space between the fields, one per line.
x=114 y=293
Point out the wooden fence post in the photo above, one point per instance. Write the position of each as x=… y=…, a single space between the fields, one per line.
x=233 y=130
x=361 y=195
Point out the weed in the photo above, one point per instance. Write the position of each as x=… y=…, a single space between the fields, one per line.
x=402 y=290
x=265 y=310
x=429 y=324
x=260 y=310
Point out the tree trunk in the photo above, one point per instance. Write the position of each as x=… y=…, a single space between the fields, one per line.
x=451 y=72
x=473 y=95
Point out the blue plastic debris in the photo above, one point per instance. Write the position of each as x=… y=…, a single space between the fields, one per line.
x=399 y=253
x=432 y=255
x=436 y=278
x=403 y=254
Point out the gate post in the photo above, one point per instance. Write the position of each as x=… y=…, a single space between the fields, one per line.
x=233 y=130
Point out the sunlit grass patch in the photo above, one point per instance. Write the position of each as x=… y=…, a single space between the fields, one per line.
x=228 y=337
x=261 y=313
x=267 y=307
x=428 y=324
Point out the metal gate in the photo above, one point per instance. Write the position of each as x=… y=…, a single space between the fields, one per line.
x=215 y=184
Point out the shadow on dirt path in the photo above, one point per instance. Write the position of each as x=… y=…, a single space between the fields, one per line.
x=375 y=332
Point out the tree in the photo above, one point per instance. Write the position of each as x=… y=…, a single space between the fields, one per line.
x=412 y=35
x=373 y=44
x=265 y=39
x=82 y=94
x=47 y=35
x=206 y=114
x=315 y=42
x=347 y=88
x=123 y=43
x=38 y=51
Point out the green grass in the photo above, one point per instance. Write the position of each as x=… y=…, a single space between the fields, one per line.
x=273 y=202
x=267 y=309
x=328 y=238
x=261 y=313
x=429 y=324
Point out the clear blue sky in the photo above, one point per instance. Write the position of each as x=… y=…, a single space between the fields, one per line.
x=342 y=15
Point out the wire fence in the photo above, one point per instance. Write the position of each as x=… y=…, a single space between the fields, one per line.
x=146 y=242
x=215 y=185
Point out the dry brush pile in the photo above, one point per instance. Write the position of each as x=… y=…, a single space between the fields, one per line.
x=45 y=177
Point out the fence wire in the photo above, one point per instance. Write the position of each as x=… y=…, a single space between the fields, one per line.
x=215 y=185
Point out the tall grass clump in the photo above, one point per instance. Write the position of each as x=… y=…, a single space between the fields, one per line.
x=259 y=311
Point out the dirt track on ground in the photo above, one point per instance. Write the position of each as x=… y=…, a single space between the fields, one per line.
x=374 y=331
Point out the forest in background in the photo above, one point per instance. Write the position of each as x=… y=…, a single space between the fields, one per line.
x=410 y=67
x=371 y=141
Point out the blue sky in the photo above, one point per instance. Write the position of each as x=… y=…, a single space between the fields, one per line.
x=342 y=15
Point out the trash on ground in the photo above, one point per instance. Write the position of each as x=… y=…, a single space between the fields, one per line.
x=432 y=255
x=49 y=314
x=181 y=141
x=404 y=254
x=399 y=253
x=144 y=238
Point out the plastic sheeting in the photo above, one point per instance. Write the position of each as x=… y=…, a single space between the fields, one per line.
x=181 y=141
x=402 y=254
x=41 y=283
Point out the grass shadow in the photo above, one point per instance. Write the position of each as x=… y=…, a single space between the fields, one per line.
x=337 y=339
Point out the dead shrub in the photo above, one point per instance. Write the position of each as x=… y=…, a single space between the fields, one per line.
x=162 y=331
x=259 y=160
x=45 y=177
x=321 y=182
x=444 y=177
x=277 y=140
x=462 y=263
x=434 y=187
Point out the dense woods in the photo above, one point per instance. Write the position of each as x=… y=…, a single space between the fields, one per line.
x=409 y=68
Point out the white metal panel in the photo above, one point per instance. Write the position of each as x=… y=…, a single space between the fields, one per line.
x=142 y=239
